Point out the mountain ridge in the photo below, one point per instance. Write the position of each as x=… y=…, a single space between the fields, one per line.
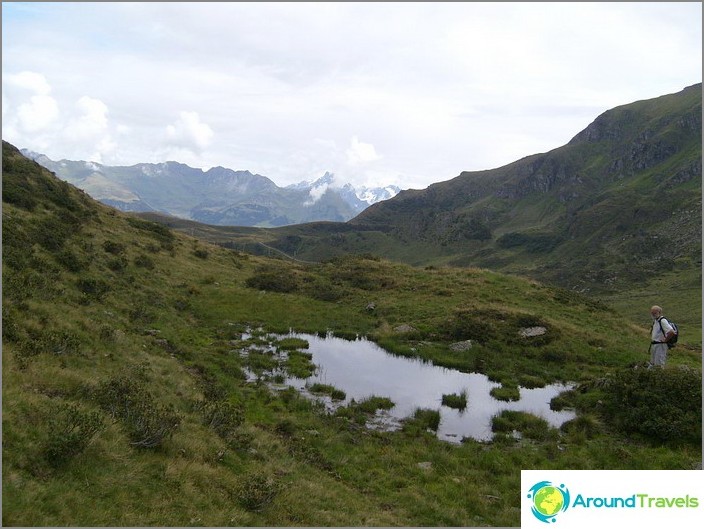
x=219 y=195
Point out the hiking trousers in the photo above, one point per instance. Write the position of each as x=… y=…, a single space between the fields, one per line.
x=658 y=354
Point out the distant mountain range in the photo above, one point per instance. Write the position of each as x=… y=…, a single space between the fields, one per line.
x=218 y=196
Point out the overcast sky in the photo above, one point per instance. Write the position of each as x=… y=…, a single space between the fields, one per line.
x=377 y=93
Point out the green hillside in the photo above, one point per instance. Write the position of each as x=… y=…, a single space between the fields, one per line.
x=615 y=213
x=125 y=401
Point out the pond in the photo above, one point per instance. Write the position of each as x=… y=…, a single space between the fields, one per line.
x=362 y=369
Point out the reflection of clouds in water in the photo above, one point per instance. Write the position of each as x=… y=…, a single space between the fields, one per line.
x=361 y=369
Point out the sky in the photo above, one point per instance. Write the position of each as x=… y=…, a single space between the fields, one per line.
x=403 y=93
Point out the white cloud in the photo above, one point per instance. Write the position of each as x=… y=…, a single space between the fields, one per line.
x=437 y=88
x=31 y=81
x=360 y=152
x=188 y=132
x=316 y=193
x=36 y=109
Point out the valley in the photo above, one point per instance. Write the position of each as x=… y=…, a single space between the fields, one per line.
x=127 y=400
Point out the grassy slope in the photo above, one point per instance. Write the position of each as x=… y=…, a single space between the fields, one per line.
x=90 y=294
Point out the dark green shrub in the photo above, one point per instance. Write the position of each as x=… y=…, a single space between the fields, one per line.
x=93 y=289
x=286 y=428
x=222 y=416
x=256 y=491
x=161 y=233
x=273 y=280
x=16 y=191
x=201 y=253
x=662 y=404
x=70 y=431
x=115 y=248
x=118 y=264
x=144 y=261
x=125 y=397
x=72 y=261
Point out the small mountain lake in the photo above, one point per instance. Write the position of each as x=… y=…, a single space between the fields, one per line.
x=362 y=369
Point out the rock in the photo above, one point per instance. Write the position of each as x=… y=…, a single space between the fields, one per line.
x=528 y=332
x=459 y=347
x=425 y=465
x=404 y=328
x=371 y=306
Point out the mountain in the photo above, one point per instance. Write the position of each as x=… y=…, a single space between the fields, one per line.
x=617 y=206
x=218 y=196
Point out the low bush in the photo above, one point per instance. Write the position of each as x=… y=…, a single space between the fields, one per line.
x=126 y=398
x=256 y=491
x=661 y=404
x=272 y=279
x=71 y=429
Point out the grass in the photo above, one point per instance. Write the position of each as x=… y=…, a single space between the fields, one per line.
x=327 y=389
x=454 y=400
x=94 y=349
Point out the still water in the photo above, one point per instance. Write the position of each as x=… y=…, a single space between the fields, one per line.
x=362 y=369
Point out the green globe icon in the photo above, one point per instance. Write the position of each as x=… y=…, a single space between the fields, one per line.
x=548 y=501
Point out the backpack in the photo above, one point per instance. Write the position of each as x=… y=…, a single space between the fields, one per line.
x=672 y=341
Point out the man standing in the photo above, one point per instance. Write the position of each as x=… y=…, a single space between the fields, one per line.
x=661 y=332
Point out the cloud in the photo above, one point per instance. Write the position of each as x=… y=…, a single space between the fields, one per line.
x=360 y=152
x=90 y=128
x=188 y=132
x=37 y=109
x=31 y=81
x=316 y=193
x=295 y=90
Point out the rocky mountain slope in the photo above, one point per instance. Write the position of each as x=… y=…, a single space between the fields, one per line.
x=217 y=196
x=617 y=205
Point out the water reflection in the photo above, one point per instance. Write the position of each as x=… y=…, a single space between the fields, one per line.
x=361 y=369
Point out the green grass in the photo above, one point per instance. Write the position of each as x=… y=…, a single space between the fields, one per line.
x=454 y=400
x=97 y=351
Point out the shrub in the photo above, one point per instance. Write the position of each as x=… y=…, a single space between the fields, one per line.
x=93 y=289
x=114 y=248
x=222 y=416
x=273 y=280
x=70 y=431
x=662 y=404
x=256 y=491
x=161 y=233
x=126 y=398
x=144 y=261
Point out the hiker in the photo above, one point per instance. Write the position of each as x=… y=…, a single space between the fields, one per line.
x=661 y=332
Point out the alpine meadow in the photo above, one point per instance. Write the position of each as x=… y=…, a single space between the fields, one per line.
x=143 y=355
